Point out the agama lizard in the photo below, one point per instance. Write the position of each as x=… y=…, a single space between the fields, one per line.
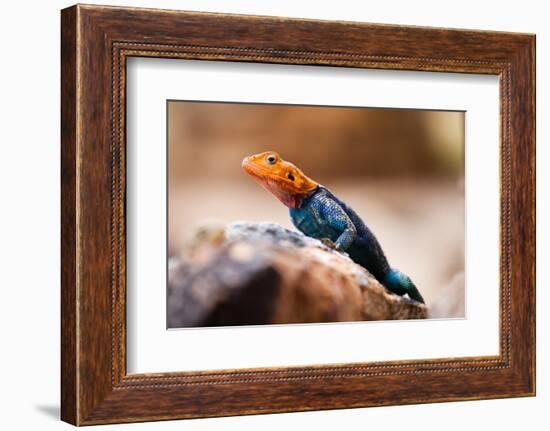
x=318 y=213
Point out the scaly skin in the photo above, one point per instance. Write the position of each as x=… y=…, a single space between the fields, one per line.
x=318 y=213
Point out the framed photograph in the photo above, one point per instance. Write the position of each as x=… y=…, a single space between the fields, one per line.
x=264 y=214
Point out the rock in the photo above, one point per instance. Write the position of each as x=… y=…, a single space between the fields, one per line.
x=258 y=273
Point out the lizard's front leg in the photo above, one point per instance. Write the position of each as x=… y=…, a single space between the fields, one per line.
x=336 y=218
x=345 y=240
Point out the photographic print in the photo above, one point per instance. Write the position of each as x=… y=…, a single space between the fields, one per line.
x=247 y=213
x=289 y=214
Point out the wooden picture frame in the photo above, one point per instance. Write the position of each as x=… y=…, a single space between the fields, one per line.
x=95 y=43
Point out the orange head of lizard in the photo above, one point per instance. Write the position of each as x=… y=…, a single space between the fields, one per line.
x=288 y=183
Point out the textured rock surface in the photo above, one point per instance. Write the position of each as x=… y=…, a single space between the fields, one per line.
x=258 y=273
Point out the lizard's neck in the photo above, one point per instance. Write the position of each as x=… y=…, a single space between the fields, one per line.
x=289 y=198
x=305 y=198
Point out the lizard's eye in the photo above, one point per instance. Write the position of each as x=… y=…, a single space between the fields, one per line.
x=290 y=176
x=271 y=159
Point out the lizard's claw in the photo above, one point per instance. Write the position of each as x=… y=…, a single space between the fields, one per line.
x=330 y=244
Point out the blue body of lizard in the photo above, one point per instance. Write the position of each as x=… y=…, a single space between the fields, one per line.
x=322 y=215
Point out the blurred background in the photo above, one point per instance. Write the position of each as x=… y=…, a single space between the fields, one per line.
x=402 y=170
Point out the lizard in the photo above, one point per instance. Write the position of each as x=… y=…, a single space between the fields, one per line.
x=318 y=213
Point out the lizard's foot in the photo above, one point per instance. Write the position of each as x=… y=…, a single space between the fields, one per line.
x=331 y=244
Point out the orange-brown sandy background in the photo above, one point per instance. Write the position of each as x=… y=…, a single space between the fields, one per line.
x=401 y=170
